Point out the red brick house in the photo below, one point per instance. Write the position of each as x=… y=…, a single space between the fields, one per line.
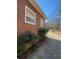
x=29 y=16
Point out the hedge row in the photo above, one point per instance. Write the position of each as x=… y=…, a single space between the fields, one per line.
x=24 y=40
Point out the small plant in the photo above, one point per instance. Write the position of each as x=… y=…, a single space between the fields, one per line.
x=42 y=33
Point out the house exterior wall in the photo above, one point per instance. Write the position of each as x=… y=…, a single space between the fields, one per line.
x=21 y=25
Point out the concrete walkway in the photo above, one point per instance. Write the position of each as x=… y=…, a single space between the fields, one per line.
x=54 y=35
x=51 y=49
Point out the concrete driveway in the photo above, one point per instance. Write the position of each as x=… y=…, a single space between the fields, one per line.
x=50 y=49
x=54 y=35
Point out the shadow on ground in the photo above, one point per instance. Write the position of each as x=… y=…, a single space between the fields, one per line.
x=50 y=49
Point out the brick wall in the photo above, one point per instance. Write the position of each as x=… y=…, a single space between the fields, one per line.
x=21 y=25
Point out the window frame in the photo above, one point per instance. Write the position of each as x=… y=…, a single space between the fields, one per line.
x=30 y=16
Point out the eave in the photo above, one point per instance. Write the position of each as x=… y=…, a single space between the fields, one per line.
x=35 y=5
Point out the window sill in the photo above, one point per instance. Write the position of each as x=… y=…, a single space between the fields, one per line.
x=30 y=23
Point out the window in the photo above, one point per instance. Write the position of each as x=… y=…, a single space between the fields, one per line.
x=30 y=16
x=41 y=22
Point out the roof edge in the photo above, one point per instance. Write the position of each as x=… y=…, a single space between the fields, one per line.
x=33 y=2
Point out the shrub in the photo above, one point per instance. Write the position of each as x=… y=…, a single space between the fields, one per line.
x=20 y=45
x=23 y=39
x=27 y=37
x=30 y=37
x=21 y=49
x=42 y=33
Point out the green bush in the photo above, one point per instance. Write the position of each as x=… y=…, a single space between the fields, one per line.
x=23 y=39
x=31 y=37
x=42 y=33
x=21 y=49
